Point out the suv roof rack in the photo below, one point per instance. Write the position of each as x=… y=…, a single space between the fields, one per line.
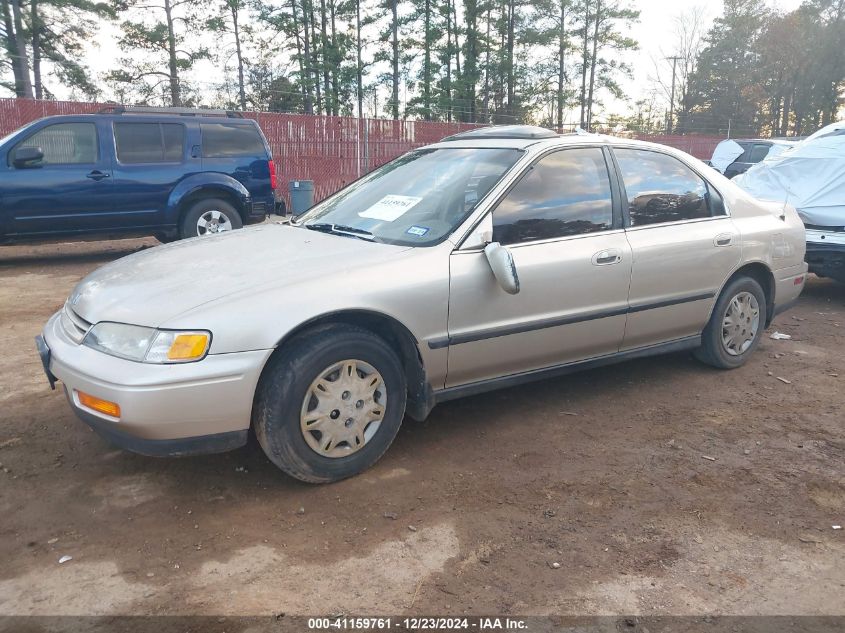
x=504 y=131
x=121 y=109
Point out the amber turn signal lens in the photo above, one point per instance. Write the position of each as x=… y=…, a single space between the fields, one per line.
x=187 y=346
x=98 y=404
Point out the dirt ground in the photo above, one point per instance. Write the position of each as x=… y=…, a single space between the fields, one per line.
x=659 y=486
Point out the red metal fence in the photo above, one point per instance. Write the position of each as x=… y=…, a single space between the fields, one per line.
x=331 y=151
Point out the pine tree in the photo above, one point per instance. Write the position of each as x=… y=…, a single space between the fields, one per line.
x=163 y=30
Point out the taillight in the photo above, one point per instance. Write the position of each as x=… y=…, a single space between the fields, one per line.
x=273 y=180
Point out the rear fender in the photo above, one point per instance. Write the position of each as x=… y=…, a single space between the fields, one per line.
x=210 y=182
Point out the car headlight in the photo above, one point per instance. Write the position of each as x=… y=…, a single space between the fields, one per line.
x=148 y=345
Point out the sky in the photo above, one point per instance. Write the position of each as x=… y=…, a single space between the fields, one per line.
x=654 y=32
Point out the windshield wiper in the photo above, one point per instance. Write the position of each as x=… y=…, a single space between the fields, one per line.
x=341 y=229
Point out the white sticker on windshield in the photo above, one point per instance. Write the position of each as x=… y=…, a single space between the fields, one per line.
x=390 y=208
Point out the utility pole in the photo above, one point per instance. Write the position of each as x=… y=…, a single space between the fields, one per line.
x=671 y=122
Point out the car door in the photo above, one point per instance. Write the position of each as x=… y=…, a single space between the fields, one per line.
x=150 y=162
x=563 y=228
x=70 y=189
x=683 y=242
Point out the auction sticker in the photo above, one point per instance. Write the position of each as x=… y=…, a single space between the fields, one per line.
x=390 y=207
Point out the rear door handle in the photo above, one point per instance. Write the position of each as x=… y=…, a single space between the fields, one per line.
x=97 y=175
x=607 y=257
x=723 y=239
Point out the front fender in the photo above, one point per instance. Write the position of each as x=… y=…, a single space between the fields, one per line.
x=206 y=181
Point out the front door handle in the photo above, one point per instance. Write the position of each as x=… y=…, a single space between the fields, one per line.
x=607 y=257
x=97 y=175
x=723 y=239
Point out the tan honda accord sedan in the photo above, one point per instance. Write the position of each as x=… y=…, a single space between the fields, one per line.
x=494 y=257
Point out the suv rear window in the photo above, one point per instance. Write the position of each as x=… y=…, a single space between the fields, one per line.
x=149 y=142
x=221 y=140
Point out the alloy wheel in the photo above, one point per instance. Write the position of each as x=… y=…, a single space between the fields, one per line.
x=213 y=221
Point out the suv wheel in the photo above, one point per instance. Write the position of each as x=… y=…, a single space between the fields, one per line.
x=736 y=325
x=330 y=404
x=209 y=216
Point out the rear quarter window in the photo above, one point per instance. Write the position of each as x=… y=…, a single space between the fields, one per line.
x=221 y=140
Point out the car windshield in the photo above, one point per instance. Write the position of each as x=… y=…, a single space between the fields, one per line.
x=417 y=199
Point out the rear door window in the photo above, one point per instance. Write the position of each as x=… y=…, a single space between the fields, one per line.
x=65 y=143
x=138 y=143
x=223 y=140
x=660 y=188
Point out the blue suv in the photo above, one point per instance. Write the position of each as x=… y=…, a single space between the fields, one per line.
x=168 y=172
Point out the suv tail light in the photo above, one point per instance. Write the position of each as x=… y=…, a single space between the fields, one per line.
x=273 y=180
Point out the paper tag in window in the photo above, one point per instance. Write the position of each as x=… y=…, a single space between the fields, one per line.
x=390 y=208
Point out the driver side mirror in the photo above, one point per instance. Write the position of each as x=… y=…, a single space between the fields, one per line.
x=503 y=267
x=27 y=156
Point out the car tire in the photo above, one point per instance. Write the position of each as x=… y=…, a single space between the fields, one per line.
x=217 y=215
x=736 y=325
x=286 y=392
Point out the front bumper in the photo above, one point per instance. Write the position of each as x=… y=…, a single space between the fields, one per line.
x=826 y=253
x=164 y=409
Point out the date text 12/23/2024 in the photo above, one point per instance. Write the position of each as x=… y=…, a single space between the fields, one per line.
x=417 y=623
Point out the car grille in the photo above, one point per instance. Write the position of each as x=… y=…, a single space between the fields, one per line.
x=74 y=325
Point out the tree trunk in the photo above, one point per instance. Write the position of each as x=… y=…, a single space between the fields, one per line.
x=394 y=105
x=787 y=106
x=561 y=49
x=448 y=60
x=457 y=48
x=234 y=6
x=471 y=59
x=427 y=62
x=324 y=45
x=36 y=26
x=335 y=62
x=487 y=67
x=509 y=47
x=315 y=58
x=175 y=96
x=11 y=47
x=593 y=61
x=306 y=55
x=303 y=67
x=20 y=46
x=359 y=69
x=585 y=56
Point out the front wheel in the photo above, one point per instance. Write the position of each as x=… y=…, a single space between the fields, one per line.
x=736 y=325
x=330 y=403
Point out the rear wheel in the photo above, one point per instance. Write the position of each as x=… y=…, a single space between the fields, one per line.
x=208 y=217
x=330 y=404
x=736 y=325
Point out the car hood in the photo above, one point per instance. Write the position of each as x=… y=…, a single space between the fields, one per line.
x=152 y=286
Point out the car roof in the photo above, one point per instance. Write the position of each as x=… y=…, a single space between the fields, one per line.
x=151 y=117
x=562 y=140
